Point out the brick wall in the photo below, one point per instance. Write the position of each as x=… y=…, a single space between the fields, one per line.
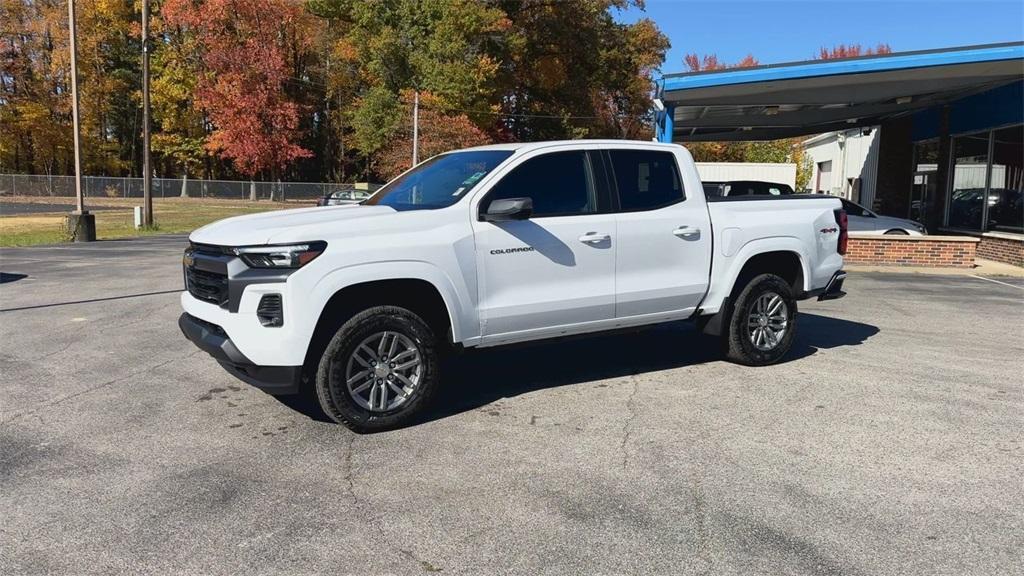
x=1002 y=248
x=925 y=251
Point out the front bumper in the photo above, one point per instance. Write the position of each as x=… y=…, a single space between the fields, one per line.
x=212 y=339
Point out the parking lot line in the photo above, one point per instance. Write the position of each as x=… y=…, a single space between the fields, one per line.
x=998 y=282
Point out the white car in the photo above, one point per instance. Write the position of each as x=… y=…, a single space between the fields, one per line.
x=495 y=245
x=864 y=221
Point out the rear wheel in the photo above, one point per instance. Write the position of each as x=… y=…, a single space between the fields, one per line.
x=379 y=370
x=898 y=232
x=763 y=322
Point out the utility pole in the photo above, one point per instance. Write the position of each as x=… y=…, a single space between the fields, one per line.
x=147 y=183
x=81 y=225
x=416 y=128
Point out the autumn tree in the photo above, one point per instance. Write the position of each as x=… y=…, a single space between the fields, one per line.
x=695 y=63
x=851 y=50
x=34 y=113
x=316 y=89
x=35 y=103
x=438 y=132
x=243 y=45
x=569 y=69
x=439 y=47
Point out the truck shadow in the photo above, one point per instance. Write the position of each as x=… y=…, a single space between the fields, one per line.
x=479 y=377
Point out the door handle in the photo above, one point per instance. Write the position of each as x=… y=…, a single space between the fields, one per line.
x=594 y=238
x=686 y=231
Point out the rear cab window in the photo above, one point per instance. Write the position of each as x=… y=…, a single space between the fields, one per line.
x=645 y=179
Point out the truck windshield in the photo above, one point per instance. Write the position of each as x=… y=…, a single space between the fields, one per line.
x=440 y=181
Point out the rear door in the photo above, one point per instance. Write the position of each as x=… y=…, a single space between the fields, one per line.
x=663 y=257
x=555 y=272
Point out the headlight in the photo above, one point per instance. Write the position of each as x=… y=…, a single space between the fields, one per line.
x=286 y=256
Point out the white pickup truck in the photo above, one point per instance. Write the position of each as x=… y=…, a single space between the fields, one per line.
x=495 y=245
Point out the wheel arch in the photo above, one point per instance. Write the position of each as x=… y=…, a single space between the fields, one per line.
x=418 y=287
x=787 y=264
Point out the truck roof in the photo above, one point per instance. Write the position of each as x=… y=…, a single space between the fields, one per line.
x=527 y=146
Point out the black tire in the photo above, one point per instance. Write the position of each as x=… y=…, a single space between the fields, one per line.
x=740 y=347
x=331 y=390
x=897 y=231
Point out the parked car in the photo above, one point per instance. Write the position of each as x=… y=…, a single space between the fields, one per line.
x=1005 y=209
x=497 y=245
x=865 y=221
x=342 y=197
x=747 y=188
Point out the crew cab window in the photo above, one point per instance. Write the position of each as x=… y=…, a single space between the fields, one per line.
x=559 y=183
x=646 y=179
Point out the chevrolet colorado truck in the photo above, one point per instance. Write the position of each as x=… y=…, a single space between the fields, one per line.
x=497 y=245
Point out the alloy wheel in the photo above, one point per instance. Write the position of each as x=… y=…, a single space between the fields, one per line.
x=383 y=371
x=767 y=321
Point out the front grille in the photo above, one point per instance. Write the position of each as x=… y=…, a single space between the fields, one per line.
x=209 y=249
x=207 y=286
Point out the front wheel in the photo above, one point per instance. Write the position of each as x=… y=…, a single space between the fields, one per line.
x=763 y=322
x=379 y=370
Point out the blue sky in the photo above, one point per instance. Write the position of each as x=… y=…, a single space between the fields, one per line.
x=776 y=31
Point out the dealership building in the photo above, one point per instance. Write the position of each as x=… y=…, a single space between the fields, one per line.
x=936 y=136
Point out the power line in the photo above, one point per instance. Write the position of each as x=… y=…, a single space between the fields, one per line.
x=472 y=111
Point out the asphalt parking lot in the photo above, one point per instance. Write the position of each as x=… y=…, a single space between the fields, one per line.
x=890 y=442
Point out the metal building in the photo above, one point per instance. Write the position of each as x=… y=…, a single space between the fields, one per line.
x=947 y=126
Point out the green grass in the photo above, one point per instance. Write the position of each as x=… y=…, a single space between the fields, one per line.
x=178 y=215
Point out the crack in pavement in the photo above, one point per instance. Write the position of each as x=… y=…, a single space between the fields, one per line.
x=700 y=517
x=627 y=426
x=407 y=554
x=95 y=388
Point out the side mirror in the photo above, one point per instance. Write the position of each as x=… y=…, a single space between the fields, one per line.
x=509 y=209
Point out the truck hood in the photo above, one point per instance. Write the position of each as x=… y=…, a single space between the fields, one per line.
x=280 y=226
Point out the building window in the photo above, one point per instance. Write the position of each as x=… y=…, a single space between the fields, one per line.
x=922 y=192
x=1006 y=186
x=824 y=183
x=926 y=155
x=970 y=171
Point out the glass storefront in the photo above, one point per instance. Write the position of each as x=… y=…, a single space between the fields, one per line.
x=986 y=192
x=970 y=171
x=922 y=193
x=1006 y=186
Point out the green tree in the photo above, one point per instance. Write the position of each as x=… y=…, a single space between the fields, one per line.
x=568 y=69
x=434 y=46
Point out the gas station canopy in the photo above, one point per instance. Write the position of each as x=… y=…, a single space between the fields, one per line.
x=800 y=98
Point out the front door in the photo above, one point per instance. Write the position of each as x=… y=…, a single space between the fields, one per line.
x=553 y=273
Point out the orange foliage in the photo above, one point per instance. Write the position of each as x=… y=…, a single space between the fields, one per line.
x=851 y=50
x=711 y=62
x=439 y=131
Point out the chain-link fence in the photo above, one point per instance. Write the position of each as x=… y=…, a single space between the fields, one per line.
x=117 y=187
